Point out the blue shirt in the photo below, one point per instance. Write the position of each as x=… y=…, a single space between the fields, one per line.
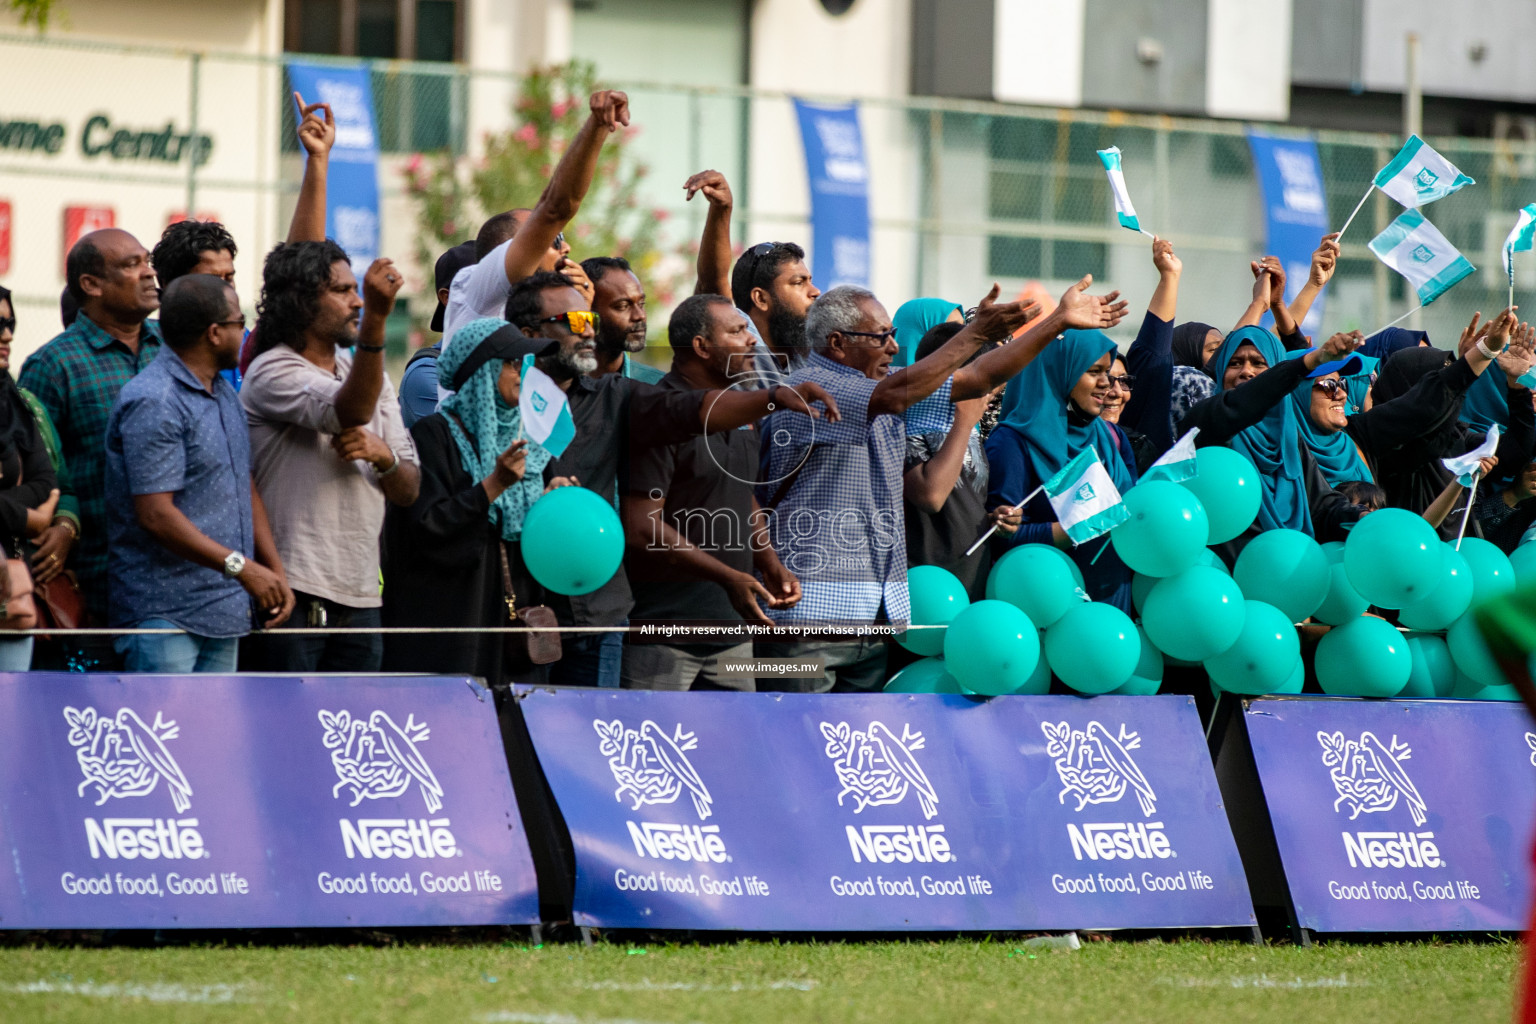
x=167 y=433
x=839 y=528
x=418 y=387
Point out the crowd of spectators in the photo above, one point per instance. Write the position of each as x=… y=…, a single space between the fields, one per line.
x=267 y=500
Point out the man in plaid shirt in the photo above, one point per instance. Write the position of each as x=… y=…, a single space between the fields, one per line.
x=833 y=491
x=78 y=374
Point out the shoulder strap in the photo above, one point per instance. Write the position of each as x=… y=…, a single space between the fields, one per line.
x=789 y=481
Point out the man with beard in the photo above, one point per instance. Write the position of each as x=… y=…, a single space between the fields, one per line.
x=772 y=285
x=603 y=409
x=77 y=377
x=328 y=447
x=618 y=299
x=690 y=521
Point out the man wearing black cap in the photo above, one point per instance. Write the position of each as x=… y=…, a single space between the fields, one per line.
x=419 y=392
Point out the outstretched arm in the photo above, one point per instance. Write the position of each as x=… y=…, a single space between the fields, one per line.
x=1324 y=259
x=567 y=186
x=317 y=135
x=714 y=263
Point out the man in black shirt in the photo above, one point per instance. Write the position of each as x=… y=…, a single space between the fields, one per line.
x=614 y=414
x=690 y=520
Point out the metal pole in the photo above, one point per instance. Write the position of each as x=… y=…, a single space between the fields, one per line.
x=194 y=146
x=1413 y=119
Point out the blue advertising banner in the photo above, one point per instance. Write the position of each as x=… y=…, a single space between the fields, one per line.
x=887 y=812
x=1295 y=209
x=246 y=802
x=1399 y=815
x=352 y=192
x=839 y=177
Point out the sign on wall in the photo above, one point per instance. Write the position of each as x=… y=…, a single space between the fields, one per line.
x=243 y=801
x=1295 y=209
x=1399 y=815
x=352 y=194
x=853 y=813
x=839 y=177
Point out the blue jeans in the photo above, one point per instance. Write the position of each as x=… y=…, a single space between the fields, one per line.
x=176 y=652
x=16 y=654
x=591 y=659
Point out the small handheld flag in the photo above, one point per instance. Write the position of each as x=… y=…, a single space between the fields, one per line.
x=1177 y=463
x=1418 y=175
x=1520 y=239
x=1466 y=467
x=1124 y=211
x=1086 y=500
x=1415 y=248
x=545 y=412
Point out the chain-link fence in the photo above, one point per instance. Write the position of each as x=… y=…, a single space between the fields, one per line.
x=962 y=193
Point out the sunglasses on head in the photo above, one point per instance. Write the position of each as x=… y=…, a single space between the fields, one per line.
x=559 y=242
x=1332 y=388
x=578 y=320
x=756 y=254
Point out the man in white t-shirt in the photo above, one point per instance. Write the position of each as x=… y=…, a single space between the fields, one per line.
x=517 y=243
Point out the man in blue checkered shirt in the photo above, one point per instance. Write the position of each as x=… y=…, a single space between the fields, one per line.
x=834 y=491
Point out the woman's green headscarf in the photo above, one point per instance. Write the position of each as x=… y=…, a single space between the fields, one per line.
x=491 y=426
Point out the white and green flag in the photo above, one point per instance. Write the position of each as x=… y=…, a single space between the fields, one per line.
x=546 y=413
x=1086 y=500
x=1177 y=463
x=1464 y=466
x=1520 y=237
x=1415 y=248
x=1418 y=175
x=1124 y=211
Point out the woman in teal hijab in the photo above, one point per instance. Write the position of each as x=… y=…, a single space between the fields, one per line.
x=447 y=557
x=1051 y=412
x=915 y=318
x=1322 y=410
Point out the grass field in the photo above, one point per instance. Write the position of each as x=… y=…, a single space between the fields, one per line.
x=880 y=983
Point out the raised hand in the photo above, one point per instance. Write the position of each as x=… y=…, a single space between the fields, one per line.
x=1087 y=312
x=610 y=108
x=1472 y=334
x=381 y=284
x=1271 y=265
x=714 y=186
x=1325 y=259
x=809 y=392
x=997 y=321
x=316 y=134
x=1519 y=356
x=1262 y=285
x=1164 y=259
x=577 y=276
x=1339 y=346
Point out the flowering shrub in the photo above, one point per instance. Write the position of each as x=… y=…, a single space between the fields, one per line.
x=453 y=196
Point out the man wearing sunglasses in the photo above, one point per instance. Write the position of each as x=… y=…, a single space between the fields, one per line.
x=614 y=414
x=834 y=491
x=517 y=243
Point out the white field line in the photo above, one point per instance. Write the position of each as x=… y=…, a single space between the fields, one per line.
x=154 y=992
x=1264 y=981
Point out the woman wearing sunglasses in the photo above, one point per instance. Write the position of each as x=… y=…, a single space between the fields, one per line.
x=1143 y=450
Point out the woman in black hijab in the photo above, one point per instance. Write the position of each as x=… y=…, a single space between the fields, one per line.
x=1413 y=421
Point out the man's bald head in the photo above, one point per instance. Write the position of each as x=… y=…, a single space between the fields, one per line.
x=109 y=274
x=498 y=229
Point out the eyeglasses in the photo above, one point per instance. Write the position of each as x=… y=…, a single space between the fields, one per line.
x=881 y=336
x=226 y=323
x=1124 y=381
x=578 y=320
x=1332 y=388
x=7 y=323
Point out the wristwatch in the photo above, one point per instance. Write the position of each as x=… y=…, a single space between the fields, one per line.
x=234 y=564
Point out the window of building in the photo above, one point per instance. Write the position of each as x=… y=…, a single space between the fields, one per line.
x=381 y=29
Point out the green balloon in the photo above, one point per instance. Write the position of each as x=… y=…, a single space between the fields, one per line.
x=1229 y=487
x=1434 y=673
x=1295 y=681
x=1148 y=674
x=1194 y=615
x=1166 y=531
x=1393 y=557
x=1470 y=652
x=1365 y=657
x=1038 y=580
x=1285 y=568
x=572 y=541
x=1334 y=552
x=1492 y=573
x=1039 y=680
x=1213 y=560
x=1094 y=648
x=929 y=675
x=1264 y=656
x=1343 y=602
x=1141 y=586
x=991 y=647
x=1448 y=601
x=936 y=596
x=1523 y=561
x=1469 y=689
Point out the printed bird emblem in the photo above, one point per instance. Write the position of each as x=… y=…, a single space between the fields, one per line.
x=124 y=756
x=1369 y=776
x=669 y=752
x=401 y=745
